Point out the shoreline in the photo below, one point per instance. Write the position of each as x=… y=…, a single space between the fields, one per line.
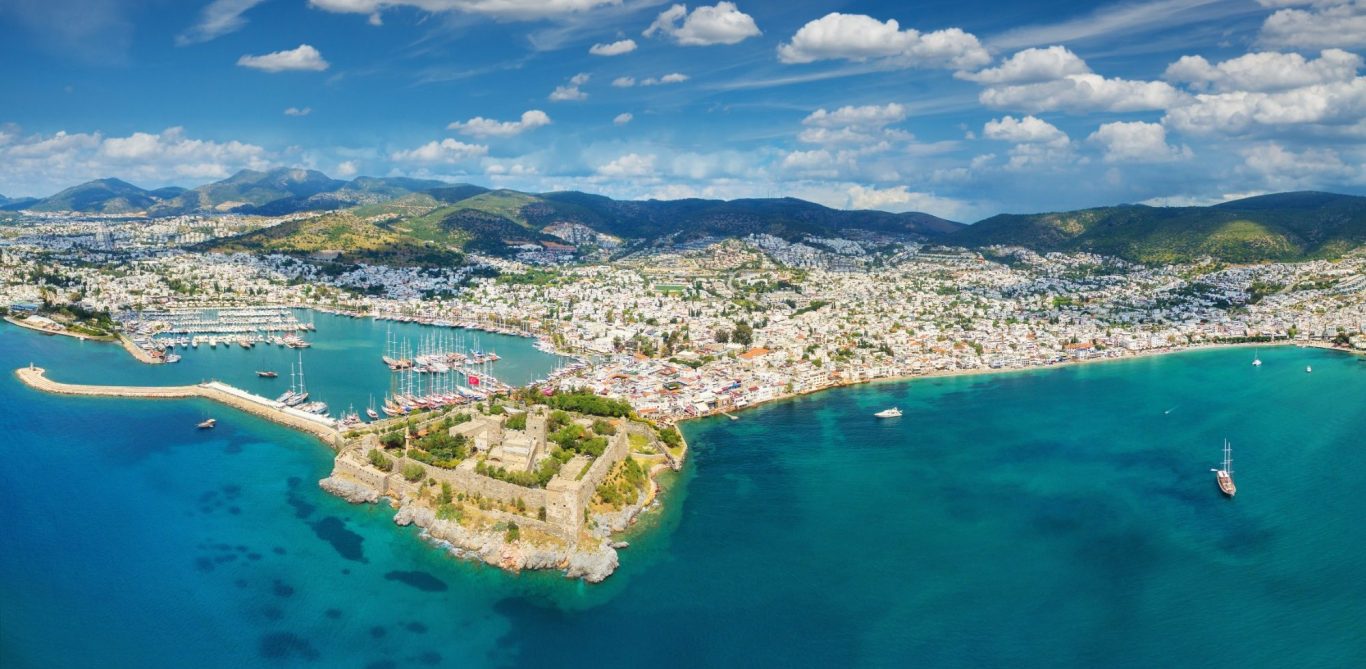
x=64 y=333
x=940 y=374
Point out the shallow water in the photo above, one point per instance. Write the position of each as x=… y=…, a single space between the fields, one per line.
x=1062 y=518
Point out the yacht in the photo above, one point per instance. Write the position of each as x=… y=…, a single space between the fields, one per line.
x=207 y=424
x=1224 y=475
x=893 y=412
x=1308 y=369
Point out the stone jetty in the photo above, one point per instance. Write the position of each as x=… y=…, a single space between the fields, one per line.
x=322 y=428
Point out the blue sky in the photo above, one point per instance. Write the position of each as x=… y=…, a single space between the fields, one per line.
x=961 y=108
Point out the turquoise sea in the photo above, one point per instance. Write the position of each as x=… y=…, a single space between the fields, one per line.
x=1059 y=518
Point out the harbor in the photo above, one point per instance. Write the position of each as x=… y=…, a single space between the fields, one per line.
x=343 y=369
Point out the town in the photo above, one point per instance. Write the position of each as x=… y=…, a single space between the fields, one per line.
x=715 y=324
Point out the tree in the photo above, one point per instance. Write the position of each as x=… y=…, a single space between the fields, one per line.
x=744 y=334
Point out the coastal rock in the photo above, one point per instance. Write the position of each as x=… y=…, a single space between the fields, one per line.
x=349 y=490
x=592 y=566
x=491 y=547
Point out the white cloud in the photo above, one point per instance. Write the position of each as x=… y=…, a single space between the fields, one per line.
x=522 y=10
x=1027 y=130
x=1328 y=23
x=445 y=151
x=486 y=127
x=624 y=82
x=817 y=163
x=218 y=18
x=671 y=78
x=1337 y=108
x=43 y=164
x=1265 y=71
x=1282 y=168
x=855 y=125
x=346 y=169
x=1031 y=66
x=722 y=23
x=899 y=199
x=1079 y=93
x=628 y=165
x=614 y=48
x=571 y=90
x=859 y=37
x=298 y=111
x=304 y=58
x=864 y=117
x=623 y=118
x=1136 y=142
x=1036 y=142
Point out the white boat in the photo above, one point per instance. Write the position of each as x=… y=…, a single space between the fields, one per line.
x=1308 y=369
x=1256 y=360
x=893 y=412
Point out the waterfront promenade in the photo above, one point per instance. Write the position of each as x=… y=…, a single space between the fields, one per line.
x=322 y=428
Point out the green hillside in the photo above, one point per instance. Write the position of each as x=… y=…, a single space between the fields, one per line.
x=1287 y=226
x=102 y=196
x=498 y=222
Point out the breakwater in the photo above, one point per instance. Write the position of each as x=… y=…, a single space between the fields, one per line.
x=322 y=428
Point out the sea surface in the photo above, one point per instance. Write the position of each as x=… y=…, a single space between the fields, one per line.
x=1058 y=518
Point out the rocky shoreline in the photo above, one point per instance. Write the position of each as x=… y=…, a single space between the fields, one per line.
x=591 y=563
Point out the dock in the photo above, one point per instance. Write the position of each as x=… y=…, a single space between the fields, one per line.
x=318 y=426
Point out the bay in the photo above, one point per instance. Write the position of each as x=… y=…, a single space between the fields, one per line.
x=1058 y=518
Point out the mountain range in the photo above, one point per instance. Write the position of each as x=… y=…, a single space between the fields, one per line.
x=417 y=221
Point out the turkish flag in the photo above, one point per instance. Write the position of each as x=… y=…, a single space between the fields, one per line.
x=474 y=380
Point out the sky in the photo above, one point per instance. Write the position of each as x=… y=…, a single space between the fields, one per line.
x=958 y=108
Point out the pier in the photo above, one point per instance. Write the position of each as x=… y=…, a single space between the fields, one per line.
x=318 y=426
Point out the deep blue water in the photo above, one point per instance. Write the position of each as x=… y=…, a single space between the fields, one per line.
x=1062 y=518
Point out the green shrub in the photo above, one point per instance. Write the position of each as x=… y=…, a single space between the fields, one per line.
x=380 y=462
x=516 y=422
x=413 y=471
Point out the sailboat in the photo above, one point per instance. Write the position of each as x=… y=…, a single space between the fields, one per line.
x=1224 y=475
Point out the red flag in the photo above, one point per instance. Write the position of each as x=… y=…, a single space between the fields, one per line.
x=474 y=380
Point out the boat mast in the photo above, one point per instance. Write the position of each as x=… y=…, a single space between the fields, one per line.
x=1228 y=457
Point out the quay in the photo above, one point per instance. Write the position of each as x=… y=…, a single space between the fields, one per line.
x=318 y=426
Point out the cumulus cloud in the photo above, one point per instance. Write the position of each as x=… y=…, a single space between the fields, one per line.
x=1079 y=93
x=1036 y=141
x=218 y=18
x=899 y=199
x=1031 y=66
x=1337 y=108
x=43 y=164
x=303 y=58
x=1265 y=71
x=1136 y=142
x=570 y=91
x=864 y=124
x=722 y=23
x=521 y=10
x=858 y=37
x=629 y=165
x=1325 y=24
x=486 y=127
x=1027 y=130
x=613 y=48
x=346 y=169
x=1282 y=168
x=624 y=82
x=623 y=118
x=298 y=111
x=445 y=151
